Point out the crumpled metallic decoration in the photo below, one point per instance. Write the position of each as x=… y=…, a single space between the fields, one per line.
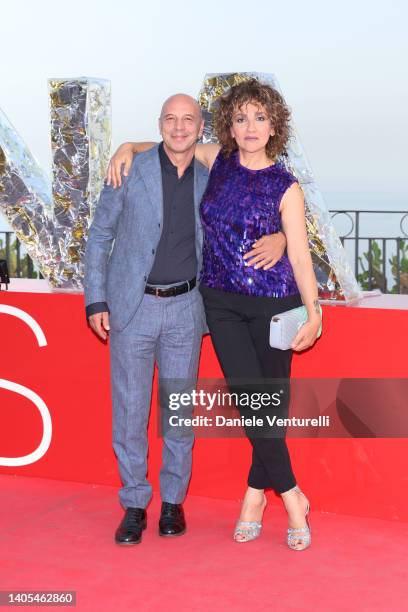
x=25 y=199
x=334 y=275
x=53 y=226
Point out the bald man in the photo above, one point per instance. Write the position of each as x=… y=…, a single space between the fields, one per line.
x=143 y=293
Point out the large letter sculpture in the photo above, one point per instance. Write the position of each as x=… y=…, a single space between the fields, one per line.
x=52 y=221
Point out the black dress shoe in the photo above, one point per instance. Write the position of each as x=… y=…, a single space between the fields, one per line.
x=130 y=529
x=172 y=521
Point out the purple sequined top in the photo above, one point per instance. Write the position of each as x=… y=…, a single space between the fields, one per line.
x=238 y=207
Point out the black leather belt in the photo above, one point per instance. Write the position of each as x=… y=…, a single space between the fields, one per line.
x=171 y=291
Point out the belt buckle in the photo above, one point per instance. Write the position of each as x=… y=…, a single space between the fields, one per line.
x=156 y=291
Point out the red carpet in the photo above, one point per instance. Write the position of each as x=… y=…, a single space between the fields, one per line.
x=59 y=536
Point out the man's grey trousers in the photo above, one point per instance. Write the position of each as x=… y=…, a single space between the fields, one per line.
x=167 y=331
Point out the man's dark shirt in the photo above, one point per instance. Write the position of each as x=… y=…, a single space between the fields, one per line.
x=175 y=258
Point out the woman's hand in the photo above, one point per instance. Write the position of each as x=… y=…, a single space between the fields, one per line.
x=123 y=157
x=266 y=251
x=307 y=334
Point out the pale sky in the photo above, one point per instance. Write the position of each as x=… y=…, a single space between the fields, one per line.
x=341 y=67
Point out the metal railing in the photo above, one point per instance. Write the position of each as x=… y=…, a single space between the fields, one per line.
x=371 y=266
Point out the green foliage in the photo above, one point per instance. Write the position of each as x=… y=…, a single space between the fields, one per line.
x=26 y=264
x=378 y=280
x=403 y=265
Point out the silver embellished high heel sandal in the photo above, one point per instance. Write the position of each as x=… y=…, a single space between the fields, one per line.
x=300 y=533
x=245 y=531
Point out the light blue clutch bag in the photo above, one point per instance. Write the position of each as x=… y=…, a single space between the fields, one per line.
x=285 y=326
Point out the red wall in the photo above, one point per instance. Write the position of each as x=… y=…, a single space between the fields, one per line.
x=364 y=477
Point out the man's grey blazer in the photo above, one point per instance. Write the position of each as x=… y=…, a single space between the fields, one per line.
x=131 y=217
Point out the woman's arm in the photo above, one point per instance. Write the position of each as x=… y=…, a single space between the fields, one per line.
x=206 y=154
x=123 y=157
x=292 y=210
x=122 y=160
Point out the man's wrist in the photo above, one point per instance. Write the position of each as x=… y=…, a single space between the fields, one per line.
x=283 y=238
x=96 y=308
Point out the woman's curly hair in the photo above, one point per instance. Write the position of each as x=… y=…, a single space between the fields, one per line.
x=257 y=93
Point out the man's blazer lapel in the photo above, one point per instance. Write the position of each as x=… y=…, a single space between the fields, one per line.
x=150 y=170
x=200 y=183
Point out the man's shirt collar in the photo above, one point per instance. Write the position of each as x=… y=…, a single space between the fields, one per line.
x=167 y=164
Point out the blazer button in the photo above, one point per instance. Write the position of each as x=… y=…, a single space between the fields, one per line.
x=145 y=278
x=152 y=251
